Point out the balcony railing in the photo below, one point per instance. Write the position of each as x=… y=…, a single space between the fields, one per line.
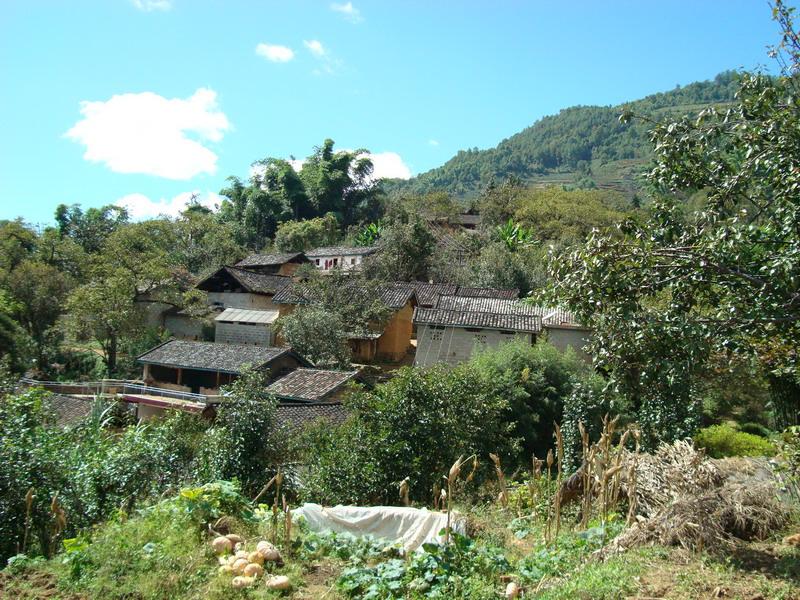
x=116 y=387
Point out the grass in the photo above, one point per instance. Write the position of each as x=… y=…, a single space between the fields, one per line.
x=163 y=553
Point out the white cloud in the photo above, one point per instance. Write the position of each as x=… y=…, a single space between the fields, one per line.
x=147 y=133
x=141 y=207
x=149 y=5
x=389 y=165
x=315 y=47
x=327 y=64
x=348 y=11
x=275 y=53
x=433 y=142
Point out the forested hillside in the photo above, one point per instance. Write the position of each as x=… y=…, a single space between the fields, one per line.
x=584 y=146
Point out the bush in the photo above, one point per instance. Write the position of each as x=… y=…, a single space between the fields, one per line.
x=540 y=384
x=416 y=426
x=720 y=441
x=755 y=429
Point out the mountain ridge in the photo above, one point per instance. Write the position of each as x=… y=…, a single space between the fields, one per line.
x=581 y=146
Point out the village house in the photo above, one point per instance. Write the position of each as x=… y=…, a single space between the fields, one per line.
x=457 y=325
x=274 y=264
x=249 y=292
x=389 y=342
x=451 y=331
x=312 y=385
x=202 y=367
x=340 y=257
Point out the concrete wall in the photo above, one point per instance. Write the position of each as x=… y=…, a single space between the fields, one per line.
x=569 y=337
x=241 y=300
x=238 y=333
x=455 y=344
x=396 y=338
x=184 y=327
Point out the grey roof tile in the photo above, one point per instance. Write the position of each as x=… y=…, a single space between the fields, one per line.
x=271 y=260
x=257 y=283
x=294 y=417
x=341 y=251
x=208 y=356
x=498 y=306
x=310 y=385
x=478 y=320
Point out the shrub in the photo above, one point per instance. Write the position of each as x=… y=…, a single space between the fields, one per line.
x=720 y=441
x=416 y=425
x=755 y=429
x=543 y=386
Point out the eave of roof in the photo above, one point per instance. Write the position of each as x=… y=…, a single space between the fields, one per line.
x=479 y=320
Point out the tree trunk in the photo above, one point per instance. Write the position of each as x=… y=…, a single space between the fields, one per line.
x=111 y=354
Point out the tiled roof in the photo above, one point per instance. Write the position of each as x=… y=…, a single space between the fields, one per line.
x=270 y=260
x=208 y=356
x=394 y=295
x=240 y=315
x=340 y=251
x=481 y=292
x=70 y=410
x=257 y=283
x=310 y=385
x=487 y=305
x=428 y=293
x=294 y=417
x=481 y=320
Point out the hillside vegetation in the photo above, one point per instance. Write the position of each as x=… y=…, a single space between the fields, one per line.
x=582 y=146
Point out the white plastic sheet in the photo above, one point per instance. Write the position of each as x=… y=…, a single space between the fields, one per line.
x=410 y=527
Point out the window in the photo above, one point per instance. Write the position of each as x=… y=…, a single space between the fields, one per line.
x=504 y=332
x=436 y=336
x=317 y=261
x=335 y=262
x=473 y=329
x=352 y=261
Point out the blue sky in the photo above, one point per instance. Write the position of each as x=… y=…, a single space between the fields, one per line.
x=145 y=101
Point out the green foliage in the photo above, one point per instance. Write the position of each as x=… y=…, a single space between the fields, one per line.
x=666 y=293
x=317 y=334
x=243 y=443
x=336 y=183
x=720 y=441
x=537 y=381
x=296 y=236
x=405 y=253
x=514 y=235
x=370 y=234
x=95 y=471
x=555 y=214
x=91 y=228
x=416 y=425
x=458 y=570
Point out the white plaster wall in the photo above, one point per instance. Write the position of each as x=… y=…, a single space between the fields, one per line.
x=344 y=262
x=455 y=344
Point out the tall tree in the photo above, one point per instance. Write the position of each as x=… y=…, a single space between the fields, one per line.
x=664 y=293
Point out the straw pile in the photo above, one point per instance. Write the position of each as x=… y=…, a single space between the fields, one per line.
x=685 y=499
